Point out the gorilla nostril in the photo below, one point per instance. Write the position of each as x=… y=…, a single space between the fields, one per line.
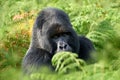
x=61 y=47
x=65 y=46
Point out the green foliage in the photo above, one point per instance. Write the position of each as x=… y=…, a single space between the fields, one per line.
x=14 y=44
x=102 y=34
x=65 y=62
x=98 y=20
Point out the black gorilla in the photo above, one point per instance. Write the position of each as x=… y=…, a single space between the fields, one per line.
x=53 y=32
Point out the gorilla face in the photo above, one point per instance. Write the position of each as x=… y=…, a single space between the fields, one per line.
x=60 y=38
x=61 y=41
x=56 y=32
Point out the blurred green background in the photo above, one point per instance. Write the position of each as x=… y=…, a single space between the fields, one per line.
x=99 y=20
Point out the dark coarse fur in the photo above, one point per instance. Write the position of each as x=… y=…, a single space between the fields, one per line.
x=51 y=21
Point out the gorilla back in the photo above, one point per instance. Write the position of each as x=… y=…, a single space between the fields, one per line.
x=52 y=33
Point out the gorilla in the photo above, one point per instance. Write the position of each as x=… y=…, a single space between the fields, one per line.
x=52 y=33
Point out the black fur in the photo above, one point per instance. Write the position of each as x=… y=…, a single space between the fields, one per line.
x=50 y=22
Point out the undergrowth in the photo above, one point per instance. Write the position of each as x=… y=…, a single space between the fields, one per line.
x=96 y=19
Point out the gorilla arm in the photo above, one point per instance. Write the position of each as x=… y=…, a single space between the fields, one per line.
x=35 y=58
x=86 y=47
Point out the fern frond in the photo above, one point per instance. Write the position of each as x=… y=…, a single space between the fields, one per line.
x=102 y=34
x=62 y=55
x=67 y=61
x=70 y=67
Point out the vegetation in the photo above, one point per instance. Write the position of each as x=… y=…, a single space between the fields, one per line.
x=96 y=19
x=65 y=62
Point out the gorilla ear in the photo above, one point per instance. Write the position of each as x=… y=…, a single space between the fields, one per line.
x=40 y=20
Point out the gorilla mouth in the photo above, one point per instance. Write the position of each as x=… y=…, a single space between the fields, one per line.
x=64 y=49
x=54 y=51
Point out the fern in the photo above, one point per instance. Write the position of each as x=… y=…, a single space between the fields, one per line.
x=66 y=61
x=101 y=34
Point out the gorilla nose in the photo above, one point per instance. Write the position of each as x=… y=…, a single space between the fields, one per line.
x=63 y=47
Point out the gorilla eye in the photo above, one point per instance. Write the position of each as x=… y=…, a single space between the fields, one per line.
x=66 y=34
x=55 y=36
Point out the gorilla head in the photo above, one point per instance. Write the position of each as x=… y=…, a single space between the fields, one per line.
x=53 y=32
